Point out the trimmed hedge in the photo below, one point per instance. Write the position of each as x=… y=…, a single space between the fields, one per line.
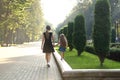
x=90 y=49
x=117 y=45
x=113 y=55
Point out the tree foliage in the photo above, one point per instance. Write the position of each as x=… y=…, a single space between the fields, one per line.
x=65 y=30
x=87 y=9
x=19 y=20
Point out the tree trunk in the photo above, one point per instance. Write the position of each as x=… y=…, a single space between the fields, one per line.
x=101 y=58
x=79 y=53
x=70 y=48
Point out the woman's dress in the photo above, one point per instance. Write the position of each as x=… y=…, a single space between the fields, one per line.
x=48 y=47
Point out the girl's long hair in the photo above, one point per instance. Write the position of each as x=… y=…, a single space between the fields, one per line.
x=63 y=40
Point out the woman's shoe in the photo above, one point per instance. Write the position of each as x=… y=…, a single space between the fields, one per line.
x=48 y=65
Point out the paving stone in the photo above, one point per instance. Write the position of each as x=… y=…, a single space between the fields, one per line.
x=18 y=64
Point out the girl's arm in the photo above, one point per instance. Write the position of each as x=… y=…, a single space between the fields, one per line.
x=66 y=42
x=58 y=42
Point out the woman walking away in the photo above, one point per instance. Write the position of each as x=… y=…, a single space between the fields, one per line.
x=47 y=46
x=63 y=45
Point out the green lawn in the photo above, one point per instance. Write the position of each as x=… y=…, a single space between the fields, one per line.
x=88 y=61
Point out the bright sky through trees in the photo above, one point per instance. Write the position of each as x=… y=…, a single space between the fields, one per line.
x=55 y=11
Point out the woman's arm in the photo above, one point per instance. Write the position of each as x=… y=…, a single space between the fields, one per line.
x=52 y=38
x=43 y=40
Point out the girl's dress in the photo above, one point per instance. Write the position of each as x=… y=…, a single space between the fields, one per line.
x=62 y=43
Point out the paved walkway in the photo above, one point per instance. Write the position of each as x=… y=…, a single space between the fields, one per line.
x=26 y=62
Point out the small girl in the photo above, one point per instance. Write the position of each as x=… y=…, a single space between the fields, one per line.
x=63 y=45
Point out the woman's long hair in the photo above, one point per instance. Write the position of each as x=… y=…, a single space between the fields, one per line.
x=47 y=29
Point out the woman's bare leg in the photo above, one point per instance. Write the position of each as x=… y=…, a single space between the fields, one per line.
x=48 y=57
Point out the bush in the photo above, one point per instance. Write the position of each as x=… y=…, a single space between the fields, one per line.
x=102 y=29
x=113 y=36
x=65 y=29
x=114 y=53
x=115 y=45
x=90 y=49
x=79 y=34
x=69 y=35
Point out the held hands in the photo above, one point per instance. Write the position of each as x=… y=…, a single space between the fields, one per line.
x=55 y=44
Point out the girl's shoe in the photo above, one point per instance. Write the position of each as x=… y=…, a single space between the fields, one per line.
x=61 y=58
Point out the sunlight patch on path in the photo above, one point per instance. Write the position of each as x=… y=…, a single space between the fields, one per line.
x=8 y=52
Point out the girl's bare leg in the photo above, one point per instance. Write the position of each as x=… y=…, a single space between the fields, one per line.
x=62 y=55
